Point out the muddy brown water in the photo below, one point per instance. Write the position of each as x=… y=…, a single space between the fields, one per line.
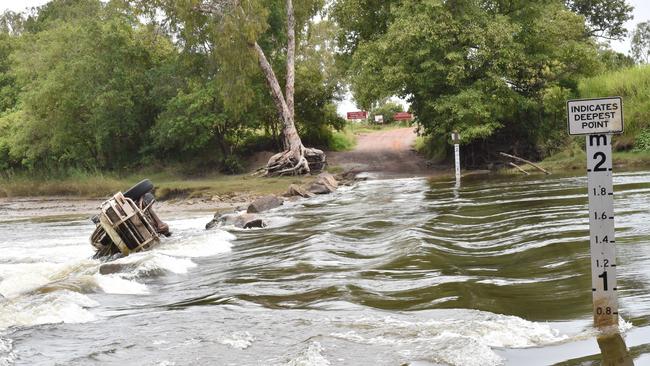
x=388 y=272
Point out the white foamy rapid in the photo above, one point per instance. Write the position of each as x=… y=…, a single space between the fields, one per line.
x=7 y=356
x=46 y=275
x=462 y=337
x=237 y=340
x=312 y=355
x=62 y=306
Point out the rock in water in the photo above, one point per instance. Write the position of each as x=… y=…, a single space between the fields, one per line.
x=264 y=204
x=214 y=222
x=242 y=221
x=329 y=178
x=325 y=183
x=257 y=223
x=296 y=190
x=108 y=268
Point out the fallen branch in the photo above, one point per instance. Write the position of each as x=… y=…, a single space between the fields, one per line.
x=259 y=172
x=525 y=161
x=518 y=168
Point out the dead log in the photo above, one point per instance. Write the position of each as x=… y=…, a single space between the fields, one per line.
x=525 y=161
x=518 y=168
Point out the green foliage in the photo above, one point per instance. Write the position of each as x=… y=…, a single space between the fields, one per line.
x=317 y=86
x=86 y=99
x=642 y=142
x=614 y=61
x=605 y=18
x=633 y=85
x=233 y=165
x=90 y=84
x=494 y=72
x=641 y=43
x=387 y=110
x=433 y=148
x=195 y=124
x=8 y=88
x=361 y=20
x=342 y=140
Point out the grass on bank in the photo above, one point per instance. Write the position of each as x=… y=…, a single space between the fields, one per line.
x=343 y=140
x=574 y=158
x=168 y=185
x=633 y=85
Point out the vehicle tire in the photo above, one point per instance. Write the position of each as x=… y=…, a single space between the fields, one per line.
x=139 y=190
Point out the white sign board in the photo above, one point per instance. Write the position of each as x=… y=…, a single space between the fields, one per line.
x=602 y=243
x=379 y=118
x=595 y=116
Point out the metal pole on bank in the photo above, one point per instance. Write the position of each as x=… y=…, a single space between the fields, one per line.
x=599 y=119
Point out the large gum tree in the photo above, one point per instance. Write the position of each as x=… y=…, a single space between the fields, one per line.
x=238 y=31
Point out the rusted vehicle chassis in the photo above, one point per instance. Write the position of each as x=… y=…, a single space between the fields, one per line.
x=127 y=223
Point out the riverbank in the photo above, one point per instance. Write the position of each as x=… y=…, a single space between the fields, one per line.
x=575 y=159
x=81 y=195
x=385 y=150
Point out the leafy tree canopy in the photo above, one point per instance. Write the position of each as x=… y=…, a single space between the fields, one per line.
x=497 y=71
x=605 y=18
x=641 y=43
x=87 y=84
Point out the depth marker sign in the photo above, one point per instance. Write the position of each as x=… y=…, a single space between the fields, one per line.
x=455 y=138
x=592 y=116
x=599 y=119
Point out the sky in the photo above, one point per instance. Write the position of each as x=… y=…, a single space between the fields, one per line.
x=641 y=14
x=20 y=5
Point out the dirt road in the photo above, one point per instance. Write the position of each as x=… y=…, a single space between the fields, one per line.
x=388 y=152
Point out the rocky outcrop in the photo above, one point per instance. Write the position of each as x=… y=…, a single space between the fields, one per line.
x=325 y=183
x=349 y=178
x=264 y=204
x=296 y=190
x=239 y=220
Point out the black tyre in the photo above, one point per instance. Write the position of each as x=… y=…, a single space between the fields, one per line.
x=139 y=190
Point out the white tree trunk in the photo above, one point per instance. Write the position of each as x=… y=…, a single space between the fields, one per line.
x=295 y=159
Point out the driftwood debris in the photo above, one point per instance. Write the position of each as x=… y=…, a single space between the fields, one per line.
x=525 y=161
x=518 y=168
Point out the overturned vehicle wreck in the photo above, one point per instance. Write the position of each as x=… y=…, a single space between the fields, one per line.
x=127 y=223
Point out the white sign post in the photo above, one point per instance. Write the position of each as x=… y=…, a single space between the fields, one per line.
x=599 y=119
x=455 y=138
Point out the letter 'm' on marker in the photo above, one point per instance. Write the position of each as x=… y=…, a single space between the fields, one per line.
x=596 y=139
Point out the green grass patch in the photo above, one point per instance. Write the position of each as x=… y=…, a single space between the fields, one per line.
x=343 y=140
x=433 y=148
x=571 y=158
x=82 y=186
x=633 y=85
x=168 y=185
x=574 y=158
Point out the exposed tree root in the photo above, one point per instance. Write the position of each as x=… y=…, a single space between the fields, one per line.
x=296 y=162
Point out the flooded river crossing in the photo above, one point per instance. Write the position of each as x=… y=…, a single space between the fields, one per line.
x=388 y=272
